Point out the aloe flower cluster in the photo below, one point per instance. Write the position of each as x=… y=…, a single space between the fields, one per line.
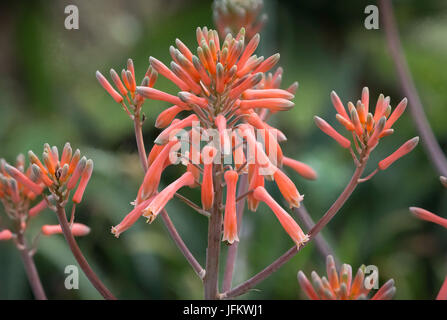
x=20 y=187
x=339 y=285
x=217 y=127
x=366 y=126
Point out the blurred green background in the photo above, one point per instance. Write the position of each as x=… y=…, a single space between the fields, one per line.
x=49 y=93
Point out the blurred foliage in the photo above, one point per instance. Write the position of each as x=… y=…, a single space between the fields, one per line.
x=49 y=93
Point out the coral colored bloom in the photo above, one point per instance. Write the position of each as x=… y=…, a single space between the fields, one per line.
x=301 y=168
x=287 y=222
x=257 y=180
x=341 y=286
x=161 y=199
x=288 y=189
x=131 y=218
x=85 y=177
x=106 y=85
x=23 y=179
x=153 y=174
x=207 y=190
x=326 y=128
x=34 y=211
x=166 y=117
x=442 y=295
x=5 y=235
x=399 y=153
x=169 y=133
x=77 y=229
x=428 y=216
x=230 y=218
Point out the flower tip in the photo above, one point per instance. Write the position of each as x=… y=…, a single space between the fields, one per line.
x=115 y=232
x=443 y=181
x=5 y=235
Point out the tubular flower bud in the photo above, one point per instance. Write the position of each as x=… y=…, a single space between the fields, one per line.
x=23 y=179
x=301 y=168
x=399 y=153
x=428 y=216
x=170 y=131
x=207 y=190
x=326 y=128
x=77 y=173
x=108 y=87
x=85 y=177
x=5 y=235
x=340 y=286
x=153 y=174
x=77 y=229
x=161 y=199
x=257 y=180
x=230 y=218
x=287 y=222
x=288 y=189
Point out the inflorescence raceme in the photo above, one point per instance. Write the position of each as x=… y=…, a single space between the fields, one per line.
x=229 y=94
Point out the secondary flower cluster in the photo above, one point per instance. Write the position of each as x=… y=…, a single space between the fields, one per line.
x=228 y=94
x=61 y=174
x=18 y=190
x=367 y=128
x=20 y=187
x=231 y=15
x=341 y=286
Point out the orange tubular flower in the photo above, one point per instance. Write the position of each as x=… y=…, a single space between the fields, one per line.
x=230 y=219
x=301 y=168
x=341 y=286
x=207 y=190
x=428 y=216
x=399 y=153
x=86 y=174
x=161 y=199
x=257 y=180
x=6 y=235
x=131 y=218
x=326 y=128
x=77 y=229
x=153 y=174
x=287 y=222
x=288 y=189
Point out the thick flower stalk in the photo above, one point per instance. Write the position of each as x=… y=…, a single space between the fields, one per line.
x=341 y=286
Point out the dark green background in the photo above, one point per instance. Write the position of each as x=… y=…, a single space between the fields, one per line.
x=49 y=93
